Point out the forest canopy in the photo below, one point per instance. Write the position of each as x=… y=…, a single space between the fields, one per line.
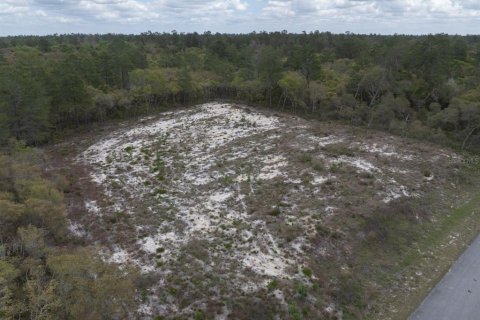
x=424 y=87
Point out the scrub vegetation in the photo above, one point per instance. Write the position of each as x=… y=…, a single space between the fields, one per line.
x=214 y=176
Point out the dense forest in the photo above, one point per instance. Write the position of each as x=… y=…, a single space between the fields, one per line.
x=425 y=87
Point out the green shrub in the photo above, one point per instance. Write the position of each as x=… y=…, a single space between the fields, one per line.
x=272 y=285
x=199 y=315
x=275 y=211
x=307 y=272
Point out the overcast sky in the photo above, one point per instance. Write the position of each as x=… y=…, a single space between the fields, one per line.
x=239 y=16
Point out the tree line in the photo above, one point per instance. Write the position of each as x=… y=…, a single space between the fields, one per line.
x=425 y=87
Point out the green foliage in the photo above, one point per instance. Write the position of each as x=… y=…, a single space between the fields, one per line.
x=83 y=276
x=425 y=87
x=199 y=315
x=272 y=285
x=307 y=272
x=24 y=103
x=39 y=277
x=275 y=211
x=292 y=85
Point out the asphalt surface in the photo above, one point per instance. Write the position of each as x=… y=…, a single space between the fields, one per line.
x=457 y=295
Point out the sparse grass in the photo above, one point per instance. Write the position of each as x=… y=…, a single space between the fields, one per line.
x=335 y=167
x=336 y=150
x=318 y=166
x=227 y=180
x=159 y=192
x=306 y=157
x=433 y=258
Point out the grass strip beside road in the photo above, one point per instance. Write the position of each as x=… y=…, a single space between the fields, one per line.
x=435 y=253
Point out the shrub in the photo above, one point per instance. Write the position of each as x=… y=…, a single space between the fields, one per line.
x=318 y=166
x=275 y=211
x=199 y=315
x=307 y=272
x=272 y=285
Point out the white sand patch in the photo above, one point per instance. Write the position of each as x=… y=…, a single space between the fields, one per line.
x=311 y=142
x=395 y=191
x=275 y=159
x=278 y=294
x=361 y=164
x=294 y=181
x=249 y=287
x=121 y=256
x=273 y=168
x=76 y=229
x=265 y=264
x=145 y=309
x=149 y=245
x=318 y=180
x=385 y=150
x=220 y=196
x=324 y=141
x=269 y=174
x=429 y=178
x=330 y=210
x=194 y=141
x=242 y=177
x=92 y=207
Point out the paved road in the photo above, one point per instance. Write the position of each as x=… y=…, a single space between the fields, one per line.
x=457 y=295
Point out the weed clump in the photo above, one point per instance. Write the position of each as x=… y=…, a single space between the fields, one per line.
x=306 y=157
x=275 y=211
x=272 y=285
x=335 y=167
x=159 y=192
x=318 y=166
x=427 y=173
x=307 y=272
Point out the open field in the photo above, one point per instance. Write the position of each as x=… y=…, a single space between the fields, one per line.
x=231 y=212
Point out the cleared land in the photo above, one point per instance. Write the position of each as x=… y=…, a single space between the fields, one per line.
x=241 y=213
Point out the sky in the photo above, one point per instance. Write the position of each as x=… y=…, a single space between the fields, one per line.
x=41 y=17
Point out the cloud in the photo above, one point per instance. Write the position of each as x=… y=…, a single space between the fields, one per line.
x=374 y=9
x=399 y=16
x=124 y=11
x=279 y=9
